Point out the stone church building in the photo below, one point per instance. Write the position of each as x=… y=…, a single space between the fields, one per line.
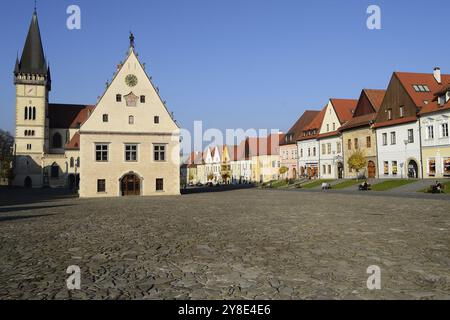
x=126 y=144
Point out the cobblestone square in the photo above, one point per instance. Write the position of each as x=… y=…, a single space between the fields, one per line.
x=246 y=244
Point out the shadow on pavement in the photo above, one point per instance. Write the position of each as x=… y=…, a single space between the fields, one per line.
x=223 y=188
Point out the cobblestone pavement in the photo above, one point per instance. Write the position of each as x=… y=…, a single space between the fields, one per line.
x=247 y=244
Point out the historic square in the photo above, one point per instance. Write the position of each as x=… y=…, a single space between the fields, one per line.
x=243 y=244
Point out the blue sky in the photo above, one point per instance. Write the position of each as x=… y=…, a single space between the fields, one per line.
x=234 y=63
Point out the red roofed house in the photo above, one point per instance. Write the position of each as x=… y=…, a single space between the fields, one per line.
x=265 y=155
x=288 y=146
x=358 y=133
x=331 y=158
x=308 y=147
x=399 y=140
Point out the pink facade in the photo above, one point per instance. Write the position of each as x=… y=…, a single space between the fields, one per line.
x=289 y=159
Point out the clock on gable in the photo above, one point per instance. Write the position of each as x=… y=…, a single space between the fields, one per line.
x=131 y=80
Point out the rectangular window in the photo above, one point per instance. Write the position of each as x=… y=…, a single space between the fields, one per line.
x=393 y=138
x=386 y=168
x=447 y=167
x=410 y=136
x=28 y=146
x=369 y=142
x=329 y=169
x=444 y=130
x=356 y=144
x=131 y=152
x=324 y=169
x=430 y=131
x=402 y=112
x=119 y=98
x=389 y=114
x=394 y=168
x=328 y=128
x=101 y=185
x=384 y=139
x=101 y=152
x=324 y=149
x=338 y=147
x=329 y=148
x=105 y=118
x=160 y=153
x=142 y=99
x=432 y=167
x=301 y=153
x=349 y=144
x=156 y=120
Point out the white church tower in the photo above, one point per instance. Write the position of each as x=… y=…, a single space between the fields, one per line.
x=33 y=84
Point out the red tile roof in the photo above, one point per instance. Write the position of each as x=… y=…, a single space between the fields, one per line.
x=408 y=80
x=395 y=122
x=344 y=108
x=64 y=116
x=74 y=143
x=315 y=124
x=375 y=97
x=297 y=130
x=360 y=121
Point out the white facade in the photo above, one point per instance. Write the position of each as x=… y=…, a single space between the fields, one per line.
x=331 y=158
x=308 y=157
x=399 y=154
x=436 y=144
x=241 y=171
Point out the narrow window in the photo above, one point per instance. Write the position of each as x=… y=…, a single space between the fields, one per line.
x=131 y=120
x=105 y=118
x=349 y=144
x=394 y=168
x=101 y=185
x=34 y=113
x=159 y=184
x=393 y=138
x=142 y=99
x=356 y=144
x=119 y=98
x=384 y=139
x=444 y=129
x=26 y=113
x=369 y=142
x=402 y=114
x=389 y=114
x=430 y=132
x=156 y=120
x=432 y=167
x=386 y=168
x=410 y=136
x=72 y=162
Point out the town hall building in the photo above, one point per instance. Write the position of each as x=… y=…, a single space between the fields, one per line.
x=126 y=144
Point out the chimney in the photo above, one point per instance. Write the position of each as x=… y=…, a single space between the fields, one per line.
x=437 y=75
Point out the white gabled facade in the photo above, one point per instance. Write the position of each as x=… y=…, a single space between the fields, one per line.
x=308 y=158
x=130 y=144
x=399 y=152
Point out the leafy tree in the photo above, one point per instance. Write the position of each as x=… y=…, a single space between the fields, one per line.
x=6 y=146
x=210 y=177
x=283 y=170
x=357 y=161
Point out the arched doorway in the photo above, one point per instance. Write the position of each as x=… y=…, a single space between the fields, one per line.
x=340 y=168
x=130 y=185
x=72 y=181
x=413 y=170
x=371 y=170
x=28 y=183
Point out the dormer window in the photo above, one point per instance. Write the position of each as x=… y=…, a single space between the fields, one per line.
x=442 y=100
x=389 y=112
x=421 y=88
x=402 y=112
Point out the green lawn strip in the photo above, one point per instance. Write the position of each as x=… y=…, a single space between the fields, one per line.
x=279 y=184
x=391 y=184
x=346 y=184
x=315 y=184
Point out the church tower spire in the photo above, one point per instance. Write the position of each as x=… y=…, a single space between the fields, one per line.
x=33 y=58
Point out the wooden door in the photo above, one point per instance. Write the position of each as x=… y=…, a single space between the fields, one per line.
x=371 y=169
x=131 y=185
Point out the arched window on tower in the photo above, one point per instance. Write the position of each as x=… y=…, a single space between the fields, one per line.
x=34 y=113
x=26 y=113
x=57 y=141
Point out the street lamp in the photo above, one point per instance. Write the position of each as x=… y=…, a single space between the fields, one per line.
x=403 y=165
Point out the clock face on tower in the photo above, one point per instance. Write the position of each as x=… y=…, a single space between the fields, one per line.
x=131 y=80
x=30 y=90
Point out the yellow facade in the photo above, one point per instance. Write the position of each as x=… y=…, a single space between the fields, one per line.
x=436 y=162
x=361 y=139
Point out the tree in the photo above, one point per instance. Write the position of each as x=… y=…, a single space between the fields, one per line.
x=357 y=161
x=6 y=156
x=210 y=177
x=283 y=170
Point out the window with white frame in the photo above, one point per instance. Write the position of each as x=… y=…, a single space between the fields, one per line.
x=131 y=152
x=101 y=152
x=410 y=136
x=159 y=152
x=430 y=132
x=393 y=138
x=444 y=130
x=384 y=139
x=432 y=167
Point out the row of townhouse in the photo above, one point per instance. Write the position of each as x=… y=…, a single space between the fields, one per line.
x=401 y=131
x=253 y=160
